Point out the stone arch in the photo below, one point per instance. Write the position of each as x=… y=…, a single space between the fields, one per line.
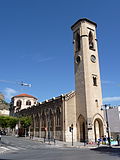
x=37 y=120
x=58 y=116
x=18 y=105
x=77 y=41
x=98 y=127
x=43 y=119
x=91 y=43
x=81 y=129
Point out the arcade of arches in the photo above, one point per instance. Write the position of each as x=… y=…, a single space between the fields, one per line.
x=52 y=119
x=82 y=129
x=45 y=118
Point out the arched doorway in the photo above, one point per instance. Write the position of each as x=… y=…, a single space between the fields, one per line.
x=98 y=129
x=81 y=129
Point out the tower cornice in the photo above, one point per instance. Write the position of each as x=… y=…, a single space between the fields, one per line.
x=81 y=20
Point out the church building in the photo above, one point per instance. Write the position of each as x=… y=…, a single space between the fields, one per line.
x=77 y=113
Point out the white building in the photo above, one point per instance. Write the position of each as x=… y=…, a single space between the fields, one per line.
x=114 y=120
x=4 y=112
x=22 y=101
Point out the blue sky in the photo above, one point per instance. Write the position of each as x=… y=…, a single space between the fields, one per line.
x=36 y=46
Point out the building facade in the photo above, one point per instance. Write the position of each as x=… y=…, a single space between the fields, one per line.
x=20 y=102
x=89 y=116
x=113 y=120
x=52 y=118
x=81 y=109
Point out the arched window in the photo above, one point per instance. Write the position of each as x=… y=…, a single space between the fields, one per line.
x=77 y=42
x=43 y=120
x=19 y=103
x=58 y=117
x=91 y=44
x=96 y=101
x=28 y=102
x=37 y=121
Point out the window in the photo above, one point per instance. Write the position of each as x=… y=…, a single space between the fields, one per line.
x=43 y=120
x=94 y=80
x=28 y=102
x=37 y=121
x=19 y=103
x=96 y=101
x=58 y=115
x=78 y=59
x=91 y=44
x=77 y=42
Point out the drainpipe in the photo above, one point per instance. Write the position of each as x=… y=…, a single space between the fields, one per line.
x=63 y=100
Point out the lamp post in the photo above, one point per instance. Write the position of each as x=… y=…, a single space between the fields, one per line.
x=107 y=123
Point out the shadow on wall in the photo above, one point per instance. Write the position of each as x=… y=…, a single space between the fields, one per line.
x=108 y=150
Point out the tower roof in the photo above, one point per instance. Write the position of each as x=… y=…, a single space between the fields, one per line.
x=83 y=19
x=24 y=95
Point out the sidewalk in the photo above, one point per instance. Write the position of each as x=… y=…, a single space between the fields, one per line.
x=69 y=144
x=57 y=143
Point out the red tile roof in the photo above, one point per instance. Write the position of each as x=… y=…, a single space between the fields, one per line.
x=24 y=95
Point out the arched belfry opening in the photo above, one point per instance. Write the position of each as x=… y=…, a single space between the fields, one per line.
x=77 y=42
x=91 y=43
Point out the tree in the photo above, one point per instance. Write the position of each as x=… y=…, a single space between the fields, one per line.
x=3 y=103
x=12 y=122
x=25 y=122
x=9 y=121
x=4 y=121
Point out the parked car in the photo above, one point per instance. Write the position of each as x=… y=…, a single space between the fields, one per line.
x=2 y=132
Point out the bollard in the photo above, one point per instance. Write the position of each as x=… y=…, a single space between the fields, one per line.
x=84 y=143
x=44 y=139
x=118 y=142
x=98 y=143
x=54 y=140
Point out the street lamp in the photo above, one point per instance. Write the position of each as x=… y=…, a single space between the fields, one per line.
x=106 y=114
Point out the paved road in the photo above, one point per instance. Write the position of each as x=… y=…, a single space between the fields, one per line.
x=20 y=149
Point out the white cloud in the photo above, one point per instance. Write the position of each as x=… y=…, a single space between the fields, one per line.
x=9 y=93
x=111 y=99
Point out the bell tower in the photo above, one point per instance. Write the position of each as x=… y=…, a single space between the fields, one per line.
x=89 y=116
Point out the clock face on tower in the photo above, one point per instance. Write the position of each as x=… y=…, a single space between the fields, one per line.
x=93 y=58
